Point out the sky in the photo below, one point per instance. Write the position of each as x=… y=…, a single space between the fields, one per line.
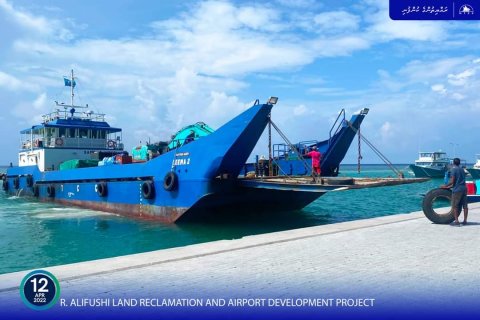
x=156 y=66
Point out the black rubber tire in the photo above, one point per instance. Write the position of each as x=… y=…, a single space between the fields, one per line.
x=338 y=181
x=148 y=190
x=36 y=190
x=16 y=182
x=430 y=213
x=170 y=181
x=51 y=190
x=102 y=189
x=29 y=180
x=5 y=185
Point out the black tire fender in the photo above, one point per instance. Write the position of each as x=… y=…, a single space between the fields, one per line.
x=29 y=180
x=429 y=211
x=36 y=190
x=102 y=189
x=16 y=182
x=51 y=190
x=170 y=181
x=148 y=190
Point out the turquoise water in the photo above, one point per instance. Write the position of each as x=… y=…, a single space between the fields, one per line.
x=34 y=235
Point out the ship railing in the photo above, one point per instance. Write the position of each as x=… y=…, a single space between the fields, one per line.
x=66 y=114
x=337 y=125
x=285 y=151
x=63 y=142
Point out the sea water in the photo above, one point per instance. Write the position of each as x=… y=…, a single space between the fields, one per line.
x=35 y=235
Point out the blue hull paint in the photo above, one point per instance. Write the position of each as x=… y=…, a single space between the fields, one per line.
x=197 y=164
x=240 y=196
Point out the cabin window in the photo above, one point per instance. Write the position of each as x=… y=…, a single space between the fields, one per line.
x=101 y=134
x=94 y=134
x=71 y=133
x=83 y=133
x=62 y=132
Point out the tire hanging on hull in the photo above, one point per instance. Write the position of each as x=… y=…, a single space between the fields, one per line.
x=148 y=190
x=51 y=191
x=170 y=181
x=102 y=189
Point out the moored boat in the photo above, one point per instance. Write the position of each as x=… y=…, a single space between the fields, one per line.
x=475 y=170
x=431 y=165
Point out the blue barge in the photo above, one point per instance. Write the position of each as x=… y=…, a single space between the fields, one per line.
x=67 y=159
x=163 y=188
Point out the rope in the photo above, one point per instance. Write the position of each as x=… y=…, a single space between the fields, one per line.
x=359 y=150
x=377 y=152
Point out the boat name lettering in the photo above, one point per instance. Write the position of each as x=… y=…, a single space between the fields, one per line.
x=182 y=154
x=181 y=162
x=70 y=194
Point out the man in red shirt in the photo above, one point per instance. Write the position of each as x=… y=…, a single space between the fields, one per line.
x=316 y=157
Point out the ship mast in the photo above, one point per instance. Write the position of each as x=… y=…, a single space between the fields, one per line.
x=71 y=87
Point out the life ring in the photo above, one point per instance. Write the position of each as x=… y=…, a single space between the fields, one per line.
x=111 y=144
x=5 y=185
x=16 y=182
x=59 y=142
x=170 y=181
x=29 y=180
x=36 y=190
x=51 y=190
x=102 y=189
x=148 y=190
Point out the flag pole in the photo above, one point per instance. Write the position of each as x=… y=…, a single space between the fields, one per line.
x=71 y=87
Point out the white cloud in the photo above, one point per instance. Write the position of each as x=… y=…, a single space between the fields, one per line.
x=461 y=78
x=40 y=102
x=336 y=21
x=440 y=88
x=12 y=83
x=300 y=110
x=386 y=130
x=36 y=25
x=457 y=96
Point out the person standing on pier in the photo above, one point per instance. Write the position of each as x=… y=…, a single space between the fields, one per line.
x=316 y=157
x=459 y=192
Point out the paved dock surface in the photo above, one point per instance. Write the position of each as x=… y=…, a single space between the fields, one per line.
x=400 y=261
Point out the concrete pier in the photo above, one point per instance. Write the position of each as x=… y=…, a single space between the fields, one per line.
x=403 y=262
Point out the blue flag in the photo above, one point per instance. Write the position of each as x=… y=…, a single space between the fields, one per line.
x=68 y=82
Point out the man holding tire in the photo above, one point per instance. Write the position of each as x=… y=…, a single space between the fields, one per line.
x=459 y=192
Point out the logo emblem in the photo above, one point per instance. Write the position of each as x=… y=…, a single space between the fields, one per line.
x=39 y=290
x=465 y=9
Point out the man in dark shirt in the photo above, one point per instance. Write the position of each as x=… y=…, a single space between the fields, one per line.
x=459 y=192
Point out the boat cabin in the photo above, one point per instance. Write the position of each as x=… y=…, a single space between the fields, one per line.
x=68 y=134
x=432 y=159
